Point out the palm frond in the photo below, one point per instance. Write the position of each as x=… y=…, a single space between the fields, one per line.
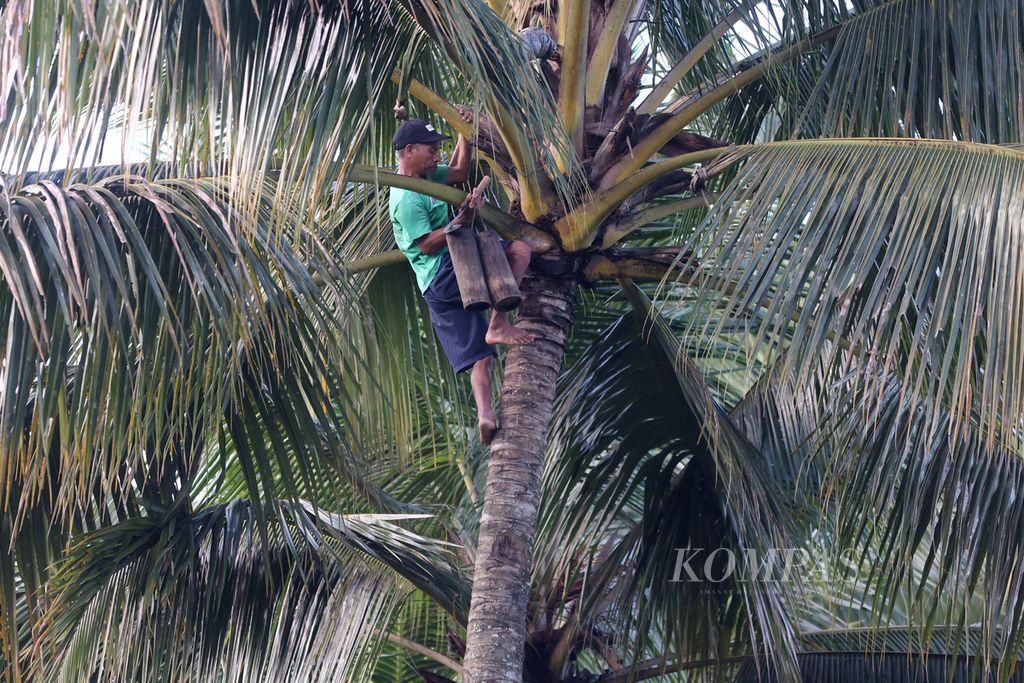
x=898 y=68
x=144 y=319
x=902 y=252
x=752 y=33
x=907 y=530
x=422 y=561
x=789 y=425
x=675 y=27
x=228 y=82
x=635 y=488
x=938 y=517
x=769 y=108
x=916 y=68
x=889 y=269
x=201 y=594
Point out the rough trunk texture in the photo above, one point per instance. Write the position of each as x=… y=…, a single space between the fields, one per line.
x=501 y=586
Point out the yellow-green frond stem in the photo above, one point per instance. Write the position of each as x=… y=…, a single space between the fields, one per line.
x=650 y=265
x=578 y=228
x=657 y=139
x=508 y=183
x=574 y=31
x=618 y=231
x=537 y=194
x=499 y=7
x=683 y=67
x=607 y=41
x=388 y=258
x=504 y=224
x=420 y=649
x=436 y=104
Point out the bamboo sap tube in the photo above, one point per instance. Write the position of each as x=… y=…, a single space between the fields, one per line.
x=466 y=262
x=505 y=294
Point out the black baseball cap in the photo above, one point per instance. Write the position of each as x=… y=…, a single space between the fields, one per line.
x=416 y=130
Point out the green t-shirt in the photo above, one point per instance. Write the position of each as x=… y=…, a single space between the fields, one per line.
x=413 y=215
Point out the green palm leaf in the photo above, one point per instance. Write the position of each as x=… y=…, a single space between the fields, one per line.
x=897 y=298
x=909 y=68
x=237 y=82
x=949 y=499
x=116 y=289
x=166 y=597
x=905 y=252
x=912 y=530
x=228 y=81
x=640 y=475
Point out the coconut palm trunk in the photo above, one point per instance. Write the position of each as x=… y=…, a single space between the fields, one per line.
x=497 y=620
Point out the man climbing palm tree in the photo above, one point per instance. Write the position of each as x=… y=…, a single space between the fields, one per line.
x=419 y=225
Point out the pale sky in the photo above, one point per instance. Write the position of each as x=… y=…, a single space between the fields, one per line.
x=134 y=140
x=136 y=149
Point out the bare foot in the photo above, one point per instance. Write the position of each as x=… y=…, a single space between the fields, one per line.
x=504 y=333
x=488 y=428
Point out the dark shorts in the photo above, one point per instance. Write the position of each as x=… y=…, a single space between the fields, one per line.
x=460 y=332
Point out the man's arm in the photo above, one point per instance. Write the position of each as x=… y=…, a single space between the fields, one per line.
x=458 y=167
x=435 y=240
x=432 y=242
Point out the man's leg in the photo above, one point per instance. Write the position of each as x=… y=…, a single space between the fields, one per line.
x=480 y=379
x=500 y=330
